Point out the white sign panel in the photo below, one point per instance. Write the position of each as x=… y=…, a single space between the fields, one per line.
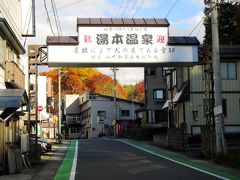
x=121 y=45
x=217 y=110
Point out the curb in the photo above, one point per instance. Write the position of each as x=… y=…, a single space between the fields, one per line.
x=222 y=174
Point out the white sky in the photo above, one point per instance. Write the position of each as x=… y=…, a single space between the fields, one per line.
x=183 y=17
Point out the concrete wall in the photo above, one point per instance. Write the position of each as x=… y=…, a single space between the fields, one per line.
x=71 y=104
x=94 y=103
x=42 y=95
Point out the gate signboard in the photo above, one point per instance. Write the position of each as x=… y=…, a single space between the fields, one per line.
x=121 y=43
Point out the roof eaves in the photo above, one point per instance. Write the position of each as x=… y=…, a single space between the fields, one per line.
x=12 y=38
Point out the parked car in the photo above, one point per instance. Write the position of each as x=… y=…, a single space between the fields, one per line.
x=45 y=145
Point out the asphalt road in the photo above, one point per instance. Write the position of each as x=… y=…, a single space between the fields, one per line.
x=106 y=159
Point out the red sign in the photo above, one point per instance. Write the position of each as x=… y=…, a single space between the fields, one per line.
x=40 y=108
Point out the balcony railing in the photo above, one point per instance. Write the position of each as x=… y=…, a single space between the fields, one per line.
x=73 y=122
x=14 y=76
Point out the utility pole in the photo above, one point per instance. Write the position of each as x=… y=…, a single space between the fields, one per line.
x=115 y=93
x=59 y=101
x=219 y=124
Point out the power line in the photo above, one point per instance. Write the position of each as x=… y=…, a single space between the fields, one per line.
x=158 y=10
x=132 y=8
x=49 y=21
x=125 y=8
x=196 y=26
x=170 y=10
x=28 y=13
x=200 y=29
x=63 y=7
x=59 y=24
x=205 y=13
x=25 y=40
x=128 y=8
x=119 y=8
x=55 y=17
x=138 y=8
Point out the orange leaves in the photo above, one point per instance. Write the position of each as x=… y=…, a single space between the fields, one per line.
x=79 y=80
x=103 y=84
x=135 y=92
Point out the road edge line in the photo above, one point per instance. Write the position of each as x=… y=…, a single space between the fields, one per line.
x=74 y=165
x=189 y=166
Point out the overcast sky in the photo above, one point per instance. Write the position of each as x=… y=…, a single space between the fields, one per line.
x=183 y=16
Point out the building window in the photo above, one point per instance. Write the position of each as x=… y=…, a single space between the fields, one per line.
x=73 y=119
x=151 y=71
x=125 y=113
x=101 y=114
x=159 y=94
x=1 y=51
x=224 y=107
x=73 y=130
x=86 y=114
x=228 y=71
x=92 y=97
x=171 y=74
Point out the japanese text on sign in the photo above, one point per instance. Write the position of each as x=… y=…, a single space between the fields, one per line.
x=122 y=43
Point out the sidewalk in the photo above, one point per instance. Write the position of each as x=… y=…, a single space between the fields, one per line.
x=191 y=156
x=44 y=169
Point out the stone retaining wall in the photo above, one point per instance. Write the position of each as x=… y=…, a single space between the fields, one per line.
x=176 y=138
x=207 y=141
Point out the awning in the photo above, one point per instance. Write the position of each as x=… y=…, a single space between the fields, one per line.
x=166 y=104
x=11 y=100
x=183 y=94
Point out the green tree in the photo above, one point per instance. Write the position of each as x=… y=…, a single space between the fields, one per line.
x=229 y=24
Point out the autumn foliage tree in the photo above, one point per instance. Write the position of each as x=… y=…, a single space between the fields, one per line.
x=79 y=80
x=136 y=92
x=103 y=84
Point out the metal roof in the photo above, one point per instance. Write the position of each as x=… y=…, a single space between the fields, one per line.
x=146 y=22
x=229 y=51
x=182 y=40
x=62 y=40
x=73 y=40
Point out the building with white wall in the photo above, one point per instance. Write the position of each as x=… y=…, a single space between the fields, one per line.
x=89 y=115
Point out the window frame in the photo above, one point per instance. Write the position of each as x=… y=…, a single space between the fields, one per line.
x=228 y=70
x=155 y=94
x=102 y=114
x=73 y=118
x=125 y=112
x=73 y=128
